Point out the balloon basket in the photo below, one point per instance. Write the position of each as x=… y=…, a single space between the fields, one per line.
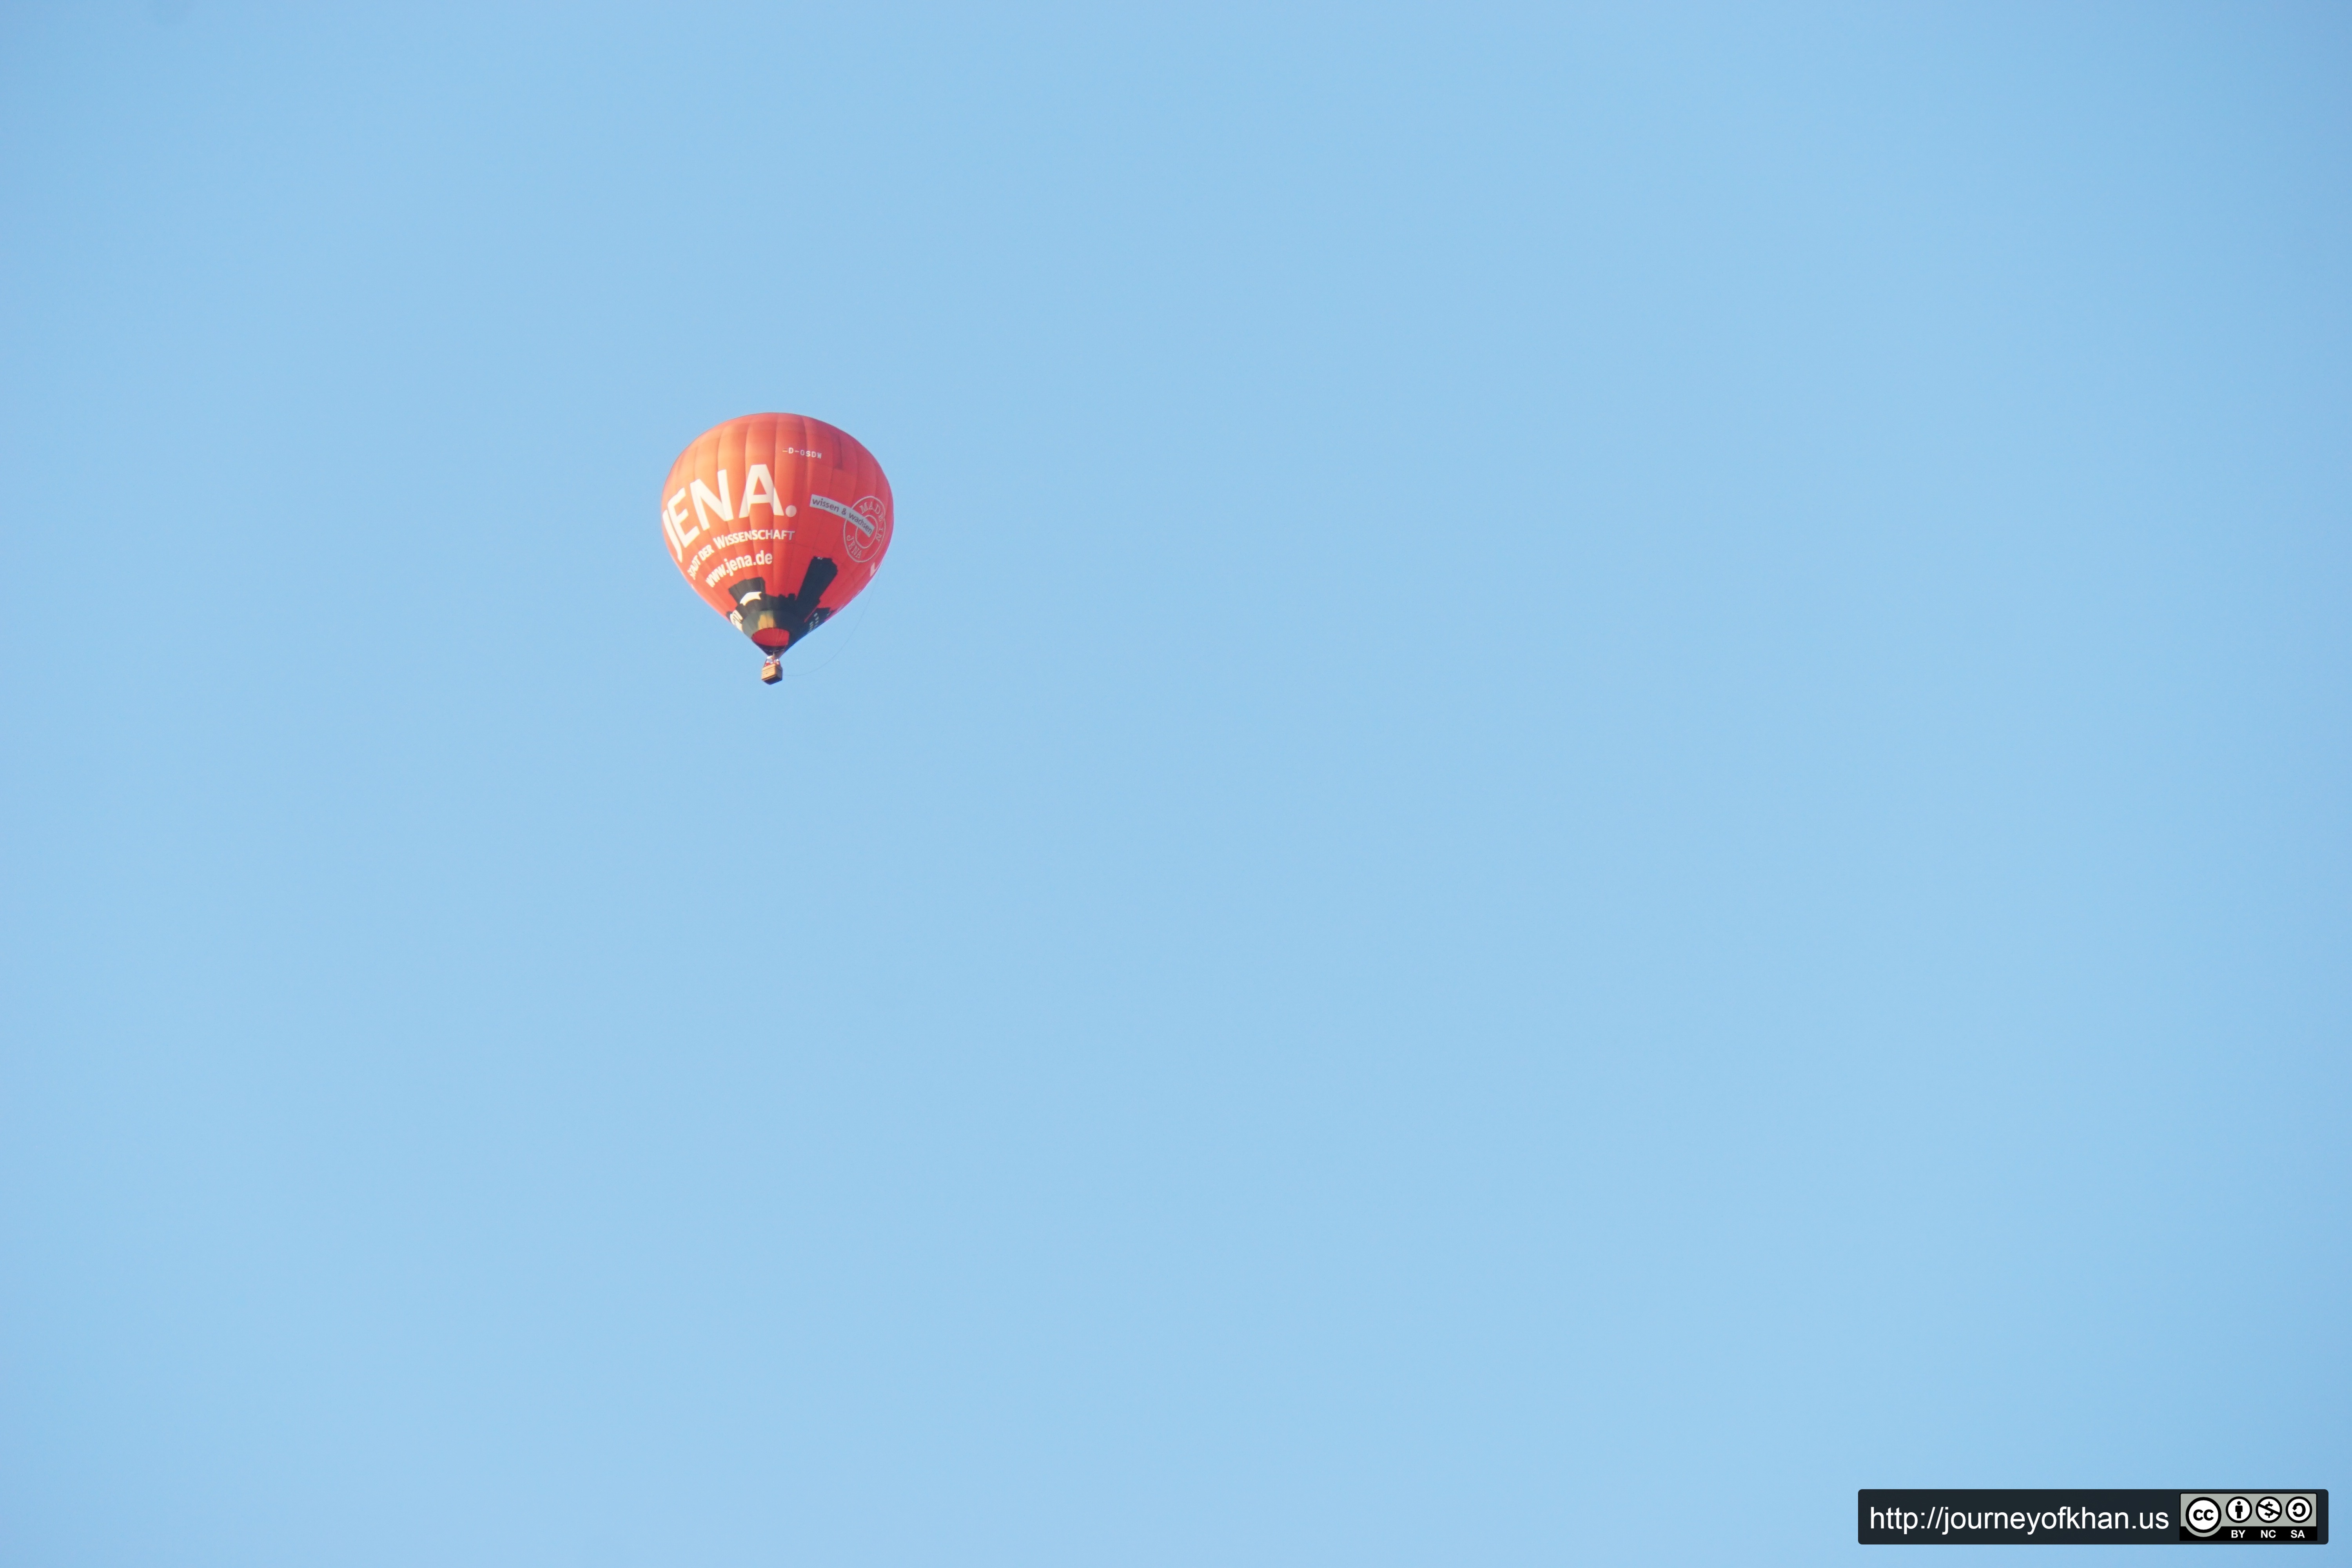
x=773 y=671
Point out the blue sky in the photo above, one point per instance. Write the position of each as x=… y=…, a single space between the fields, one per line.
x=1600 y=786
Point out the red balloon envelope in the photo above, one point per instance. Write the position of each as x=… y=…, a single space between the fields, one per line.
x=778 y=520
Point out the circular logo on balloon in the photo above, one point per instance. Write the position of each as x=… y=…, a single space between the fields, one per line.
x=864 y=534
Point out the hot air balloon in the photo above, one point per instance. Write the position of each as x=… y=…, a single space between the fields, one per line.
x=777 y=521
